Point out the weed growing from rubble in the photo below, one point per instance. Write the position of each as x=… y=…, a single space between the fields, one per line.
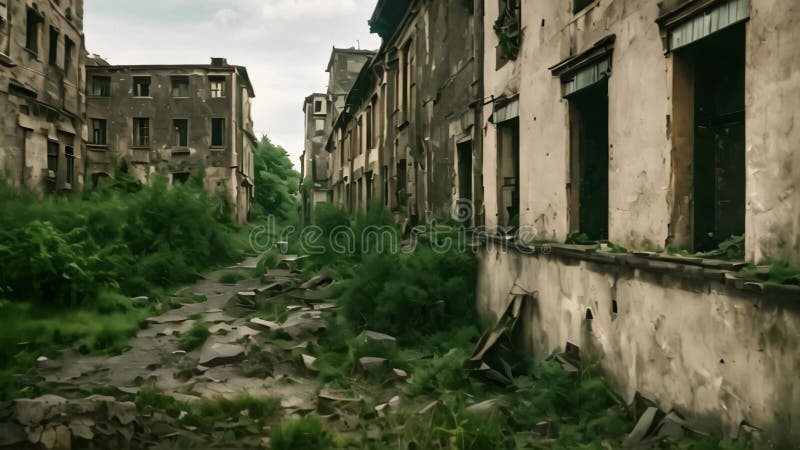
x=307 y=433
x=194 y=338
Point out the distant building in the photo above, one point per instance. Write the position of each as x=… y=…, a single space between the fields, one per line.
x=321 y=111
x=174 y=121
x=42 y=94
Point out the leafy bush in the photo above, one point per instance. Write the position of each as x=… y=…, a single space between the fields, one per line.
x=308 y=433
x=276 y=179
x=194 y=338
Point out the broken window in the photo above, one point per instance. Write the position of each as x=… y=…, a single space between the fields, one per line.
x=52 y=159
x=407 y=82
x=589 y=160
x=180 y=177
x=53 y=46
x=508 y=29
x=217 y=132
x=217 y=86
x=34 y=23
x=69 y=152
x=508 y=180
x=180 y=86
x=181 y=127
x=141 y=132
x=101 y=86
x=709 y=103
x=69 y=49
x=99 y=127
x=141 y=86
x=579 y=5
x=465 y=173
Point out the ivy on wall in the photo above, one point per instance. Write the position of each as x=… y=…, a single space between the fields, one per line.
x=508 y=29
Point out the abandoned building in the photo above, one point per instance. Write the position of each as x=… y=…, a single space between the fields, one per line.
x=174 y=121
x=42 y=94
x=406 y=136
x=321 y=112
x=626 y=127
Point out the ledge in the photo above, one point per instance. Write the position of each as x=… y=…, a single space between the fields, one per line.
x=721 y=271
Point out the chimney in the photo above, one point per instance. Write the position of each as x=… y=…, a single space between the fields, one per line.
x=219 y=62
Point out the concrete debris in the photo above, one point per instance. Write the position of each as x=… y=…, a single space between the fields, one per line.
x=485 y=360
x=300 y=324
x=400 y=373
x=337 y=396
x=42 y=359
x=485 y=407
x=324 y=306
x=428 y=407
x=263 y=325
x=655 y=428
x=372 y=364
x=218 y=354
x=12 y=434
x=310 y=362
x=317 y=282
x=375 y=336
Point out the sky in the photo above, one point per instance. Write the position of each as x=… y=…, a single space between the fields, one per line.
x=285 y=45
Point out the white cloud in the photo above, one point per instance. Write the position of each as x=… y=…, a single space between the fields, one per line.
x=294 y=9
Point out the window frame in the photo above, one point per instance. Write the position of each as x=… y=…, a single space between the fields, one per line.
x=221 y=81
x=103 y=131
x=220 y=143
x=137 y=93
x=140 y=139
x=105 y=90
x=182 y=80
x=33 y=34
x=180 y=140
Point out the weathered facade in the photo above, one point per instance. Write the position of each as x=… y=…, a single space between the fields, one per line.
x=315 y=162
x=406 y=137
x=647 y=124
x=42 y=94
x=321 y=111
x=174 y=121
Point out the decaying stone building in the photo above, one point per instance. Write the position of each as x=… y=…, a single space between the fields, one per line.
x=624 y=124
x=174 y=121
x=321 y=111
x=42 y=94
x=405 y=137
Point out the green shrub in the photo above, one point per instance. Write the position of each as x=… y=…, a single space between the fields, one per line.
x=232 y=277
x=194 y=338
x=308 y=433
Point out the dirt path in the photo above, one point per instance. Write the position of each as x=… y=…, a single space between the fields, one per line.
x=240 y=357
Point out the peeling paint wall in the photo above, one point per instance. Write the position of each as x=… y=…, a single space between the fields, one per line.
x=717 y=356
x=773 y=131
x=41 y=100
x=227 y=168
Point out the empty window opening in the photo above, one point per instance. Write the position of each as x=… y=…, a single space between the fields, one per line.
x=369 y=128
x=402 y=180
x=465 y=177
x=589 y=315
x=53 y=46
x=508 y=177
x=180 y=86
x=407 y=87
x=578 y=5
x=101 y=86
x=217 y=86
x=181 y=128
x=385 y=173
x=69 y=153
x=34 y=24
x=370 y=186
x=52 y=159
x=180 y=178
x=141 y=132
x=99 y=127
x=508 y=29
x=614 y=307
x=141 y=86
x=218 y=133
x=717 y=66
x=69 y=50
x=318 y=106
x=589 y=160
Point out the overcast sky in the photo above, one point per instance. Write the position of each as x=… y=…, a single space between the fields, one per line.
x=285 y=45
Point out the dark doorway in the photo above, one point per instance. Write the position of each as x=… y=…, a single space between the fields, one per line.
x=465 y=171
x=719 y=138
x=508 y=178
x=589 y=159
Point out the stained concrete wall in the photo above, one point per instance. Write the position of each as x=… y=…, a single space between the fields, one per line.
x=773 y=134
x=41 y=102
x=719 y=357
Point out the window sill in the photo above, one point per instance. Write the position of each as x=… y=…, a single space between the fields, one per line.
x=95 y=97
x=180 y=151
x=145 y=97
x=217 y=149
x=31 y=52
x=137 y=147
x=97 y=146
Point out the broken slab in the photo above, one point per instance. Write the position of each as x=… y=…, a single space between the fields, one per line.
x=217 y=354
x=371 y=363
x=31 y=412
x=261 y=324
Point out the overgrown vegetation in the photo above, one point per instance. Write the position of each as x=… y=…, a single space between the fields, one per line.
x=307 y=433
x=276 y=180
x=194 y=338
x=69 y=266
